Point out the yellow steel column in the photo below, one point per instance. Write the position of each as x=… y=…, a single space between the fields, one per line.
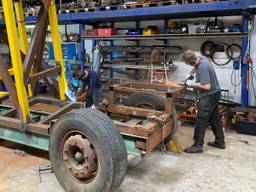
x=16 y=58
x=57 y=48
x=21 y=26
x=22 y=32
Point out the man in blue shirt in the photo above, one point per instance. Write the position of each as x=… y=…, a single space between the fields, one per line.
x=90 y=86
x=208 y=87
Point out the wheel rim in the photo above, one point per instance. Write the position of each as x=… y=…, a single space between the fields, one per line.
x=145 y=105
x=80 y=157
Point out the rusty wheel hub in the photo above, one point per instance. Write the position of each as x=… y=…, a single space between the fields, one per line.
x=80 y=157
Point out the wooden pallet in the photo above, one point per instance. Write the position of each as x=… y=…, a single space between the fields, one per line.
x=157 y=4
x=108 y=8
x=78 y=10
x=132 y=5
x=31 y=13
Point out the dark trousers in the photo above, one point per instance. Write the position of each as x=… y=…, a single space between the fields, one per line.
x=208 y=112
x=93 y=99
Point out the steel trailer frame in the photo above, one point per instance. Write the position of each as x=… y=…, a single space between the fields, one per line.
x=23 y=123
x=221 y=8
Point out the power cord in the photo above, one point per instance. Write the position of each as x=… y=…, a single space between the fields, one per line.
x=235 y=75
x=253 y=75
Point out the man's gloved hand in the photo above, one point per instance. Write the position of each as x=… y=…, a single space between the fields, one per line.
x=189 y=81
x=81 y=97
x=195 y=85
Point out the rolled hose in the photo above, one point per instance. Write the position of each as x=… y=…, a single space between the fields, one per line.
x=209 y=48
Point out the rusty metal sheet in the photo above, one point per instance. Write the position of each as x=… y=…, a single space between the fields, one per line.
x=44 y=107
x=132 y=111
x=61 y=111
x=153 y=88
x=47 y=100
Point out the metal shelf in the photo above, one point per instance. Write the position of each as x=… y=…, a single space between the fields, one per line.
x=141 y=67
x=221 y=8
x=142 y=49
x=165 y=36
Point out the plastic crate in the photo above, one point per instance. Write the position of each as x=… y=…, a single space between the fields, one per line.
x=245 y=127
x=147 y=32
x=135 y=32
x=90 y=32
x=104 y=32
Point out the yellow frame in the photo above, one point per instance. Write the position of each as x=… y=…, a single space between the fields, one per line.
x=16 y=58
x=57 y=48
x=14 y=37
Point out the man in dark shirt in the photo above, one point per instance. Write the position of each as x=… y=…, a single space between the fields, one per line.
x=208 y=106
x=90 y=86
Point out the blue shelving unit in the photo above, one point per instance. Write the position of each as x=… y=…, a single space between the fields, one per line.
x=221 y=8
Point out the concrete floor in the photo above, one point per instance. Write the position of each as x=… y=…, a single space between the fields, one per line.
x=230 y=170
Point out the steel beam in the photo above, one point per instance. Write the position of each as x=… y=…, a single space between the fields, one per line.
x=34 y=44
x=8 y=81
x=16 y=59
x=21 y=26
x=245 y=75
x=57 y=114
x=38 y=141
x=43 y=74
x=57 y=48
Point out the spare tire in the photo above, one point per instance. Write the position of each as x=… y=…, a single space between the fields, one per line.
x=146 y=100
x=87 y=152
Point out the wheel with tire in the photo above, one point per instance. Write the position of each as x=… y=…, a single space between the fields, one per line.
x=147 y=101
x=87 y=152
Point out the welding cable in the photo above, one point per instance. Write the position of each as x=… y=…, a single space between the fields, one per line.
x=208 y=49
x=231 y=49
x=214 y=60
x=253 y=75
x=234 y=78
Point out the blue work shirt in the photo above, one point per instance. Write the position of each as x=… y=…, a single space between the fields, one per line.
x=92 y=81
x=205 y=74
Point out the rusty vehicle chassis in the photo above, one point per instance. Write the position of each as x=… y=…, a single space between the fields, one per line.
x=142 y=129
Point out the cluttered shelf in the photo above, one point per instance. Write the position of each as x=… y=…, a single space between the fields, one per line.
x=216 y=8
x=141 y=67
x=166 y=36
x=142 y=49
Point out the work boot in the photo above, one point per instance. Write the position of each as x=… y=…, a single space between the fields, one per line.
x=216 y=145
x=194 y=149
